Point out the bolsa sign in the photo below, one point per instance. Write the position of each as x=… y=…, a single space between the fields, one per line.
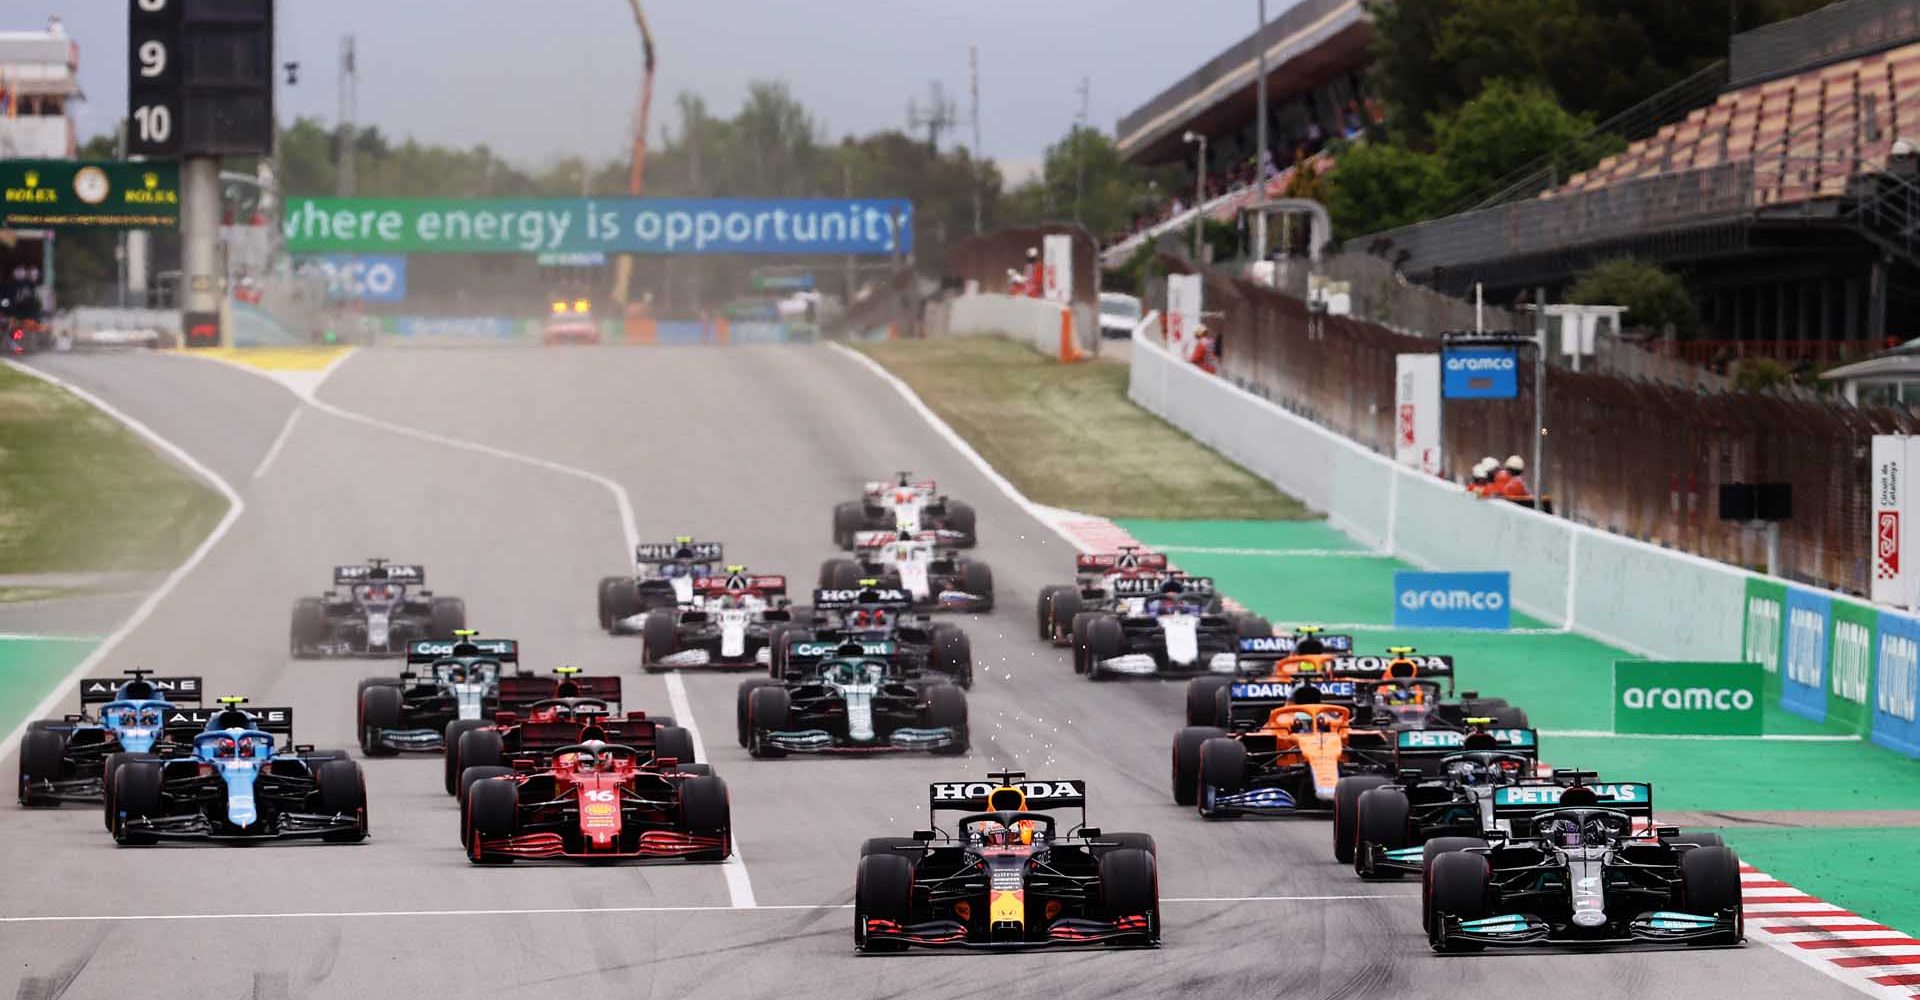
x=1452 y=600
x=1688 y=699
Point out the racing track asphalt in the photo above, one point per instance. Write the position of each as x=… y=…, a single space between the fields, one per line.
x=752 y=446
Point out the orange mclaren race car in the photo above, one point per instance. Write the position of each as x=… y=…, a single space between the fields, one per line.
x=1292 y=761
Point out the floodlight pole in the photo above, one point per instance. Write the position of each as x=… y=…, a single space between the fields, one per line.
x=1540 y=398
x=1260 y=134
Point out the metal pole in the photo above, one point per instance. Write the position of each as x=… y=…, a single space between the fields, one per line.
x=1199 y=195
x=1260 y=136
x=1540 y=396
x=347 y=71
x=1079 y=148
x=973 y=76
x=200 y=232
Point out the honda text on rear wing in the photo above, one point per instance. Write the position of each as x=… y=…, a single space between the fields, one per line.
x=828 y=599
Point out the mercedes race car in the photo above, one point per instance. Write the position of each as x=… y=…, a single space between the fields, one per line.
x=915 y=563
x=871 y=613
x=1292 y=760
x=728 y=623
x=1092 y=588
x=905 y=505
x=534 y=730
x=238 y=785
x=851 y=696
x=1583 y=865
x=665 y=580
x=1009 y=875
x=72 y=759
x=1170 y=626
x=597 y=801
x=374 y=610
x=1443 y=786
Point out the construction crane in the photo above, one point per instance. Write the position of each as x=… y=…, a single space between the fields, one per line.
x=637 y=171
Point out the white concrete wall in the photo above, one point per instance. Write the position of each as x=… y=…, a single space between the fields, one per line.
x=1030 y=320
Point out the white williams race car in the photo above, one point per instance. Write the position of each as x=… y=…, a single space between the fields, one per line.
x=905 y=505
x=916 y=564
x=1172 y=626
x=667 y=574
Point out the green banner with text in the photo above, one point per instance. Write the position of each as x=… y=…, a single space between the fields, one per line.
x=1677 y=698
x=89 y=194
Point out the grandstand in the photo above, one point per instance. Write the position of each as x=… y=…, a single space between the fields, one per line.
x=1791 y=202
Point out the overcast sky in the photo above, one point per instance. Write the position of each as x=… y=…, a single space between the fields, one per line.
x=538 y=79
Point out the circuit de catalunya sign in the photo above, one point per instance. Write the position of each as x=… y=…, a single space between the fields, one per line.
x=608 y=225
x=1688 y=699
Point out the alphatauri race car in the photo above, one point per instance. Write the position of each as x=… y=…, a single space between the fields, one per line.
x=72 y=759
x=596 y=801
x=871 y=613
x=1010 y=874
x=1582 y=865
x=729 y=623
x=852 y=696
x=375 y=610
x=667 y=571
x=905 y=505
x=1092 y=589
x=936 y=577
x=1170 y=626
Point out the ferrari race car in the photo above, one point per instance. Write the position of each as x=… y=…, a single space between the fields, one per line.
x=1293 y=760
x=728 y=623
x=665 y=580
x=237 y=785
x=851 y=696
x=375 y=610
x=72 y=759
x=534 y=730
x=914 y=563
x=1010 y=875
x=1092 y=588
x=1170 y=626
x=871 y=613
x=597 y=801
x=1583 y=866
x=1443 y=786
x=905 y=505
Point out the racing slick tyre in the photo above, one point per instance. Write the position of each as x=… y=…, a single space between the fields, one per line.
x=952 y=653
x=136 y=793
x=1186 y=761
x=343 y=792
x=115 y=761
x=1223 y=770
x=1043 y=615
x=492 y=809
x=1249 y=626
x=743 y=701
x=1110 y=842
x=675 y=742
x=961 y=518
x=1077 y=629
x=1346 y=812
x=474 y=775
x=1105 y=640
x=838 y=572
x=977 y=578
x=359 y=715
x=706 y=812
x=905 y=847
x=1431 y=850
x=848 y=518
x=309 y=627
x=1130 y=887
x=36 y=725
x=767 y=708
x=1066 y=605
x=1710 y=884
x=622 y=601
x=603 y=602
x=42 y=757
x=659 y=636
x=1203 y=708
x=1385 y=820
x=1509 y=717
x=480 y=748
x=693 y=770
x=947 y=709
x=1457 y=886
x=1698 y=839
x=380 y=708
x=446 y=616
x=456 y=729
x=882 y=890
x=781 y=645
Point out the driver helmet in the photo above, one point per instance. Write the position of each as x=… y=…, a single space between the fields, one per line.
x=380 y=591
x=1308 y=645
x=1564 y=833
x=1467 y=771
x=457 y=673
x=1401 y=694
x=224 y=748
x=702 y=569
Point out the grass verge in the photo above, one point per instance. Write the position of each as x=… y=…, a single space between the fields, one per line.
x=1067 y=435
x=81 y=493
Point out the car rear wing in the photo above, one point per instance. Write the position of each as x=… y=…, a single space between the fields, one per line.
x=1148 y=586
x=1518 y=802
x=1108 y=561
x=828 y=649
x=519 y=691
x=1249 y=703
x=878 y=486
x=1419 y=746
x=972 y=796
x=1279 y=647
x=395 y=573
x=828 y=599
x=186 y=721
x=431 y=650
x=1377 y=667
x=100 y=690
x=766 y=586
x=666 y=552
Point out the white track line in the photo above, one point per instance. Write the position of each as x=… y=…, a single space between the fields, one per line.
x=43 y=637
x=1769 y=737
x=1212 y=550
x=235 y=507
x=739 y=886
x=279 y=442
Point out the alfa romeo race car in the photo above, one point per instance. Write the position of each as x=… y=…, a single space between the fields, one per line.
x=728 y=623
x=72 y=759
x=851 y=696
x=914 y=563
x=1092 y=588
x=596 y=801
x=905 y=505
x=1293 y=760
x=1583 y=866
x=1443 y=787
x=375 y=610
x=237 y=785
x=1172 y=626
x=667 y=571
x=871 y=613
x=1009 y=875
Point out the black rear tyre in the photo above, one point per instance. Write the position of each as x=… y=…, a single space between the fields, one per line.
x=952 y=653
x=848 y=518
x=961 y=518
x=474 y=775
x=947 y=709
x=453 y=764
x=1106 y=639
x=480 y=748
x=675 y=742
x=1346 y=812
x=1186 y=761
x=1066 y=604
x=309 y=627
x=977 y=578
x=659 y=635
x=446 y=616
x=1203 y=708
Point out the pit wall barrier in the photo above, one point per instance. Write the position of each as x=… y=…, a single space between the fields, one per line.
x=482 y=329
x=1827 y=656
x=1029 y=320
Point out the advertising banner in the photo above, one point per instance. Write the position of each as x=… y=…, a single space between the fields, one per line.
x=1850 y=664
x=1687 y=699
x=1893 y=577
x=1183 y=311
x=1452 y=600
x=607 y=225
x=1896 y=685
x=360 y=277
x=1416 y=441
x=1803 y=658
x=88 y=194
x=1056 y=259
x=1481 y=372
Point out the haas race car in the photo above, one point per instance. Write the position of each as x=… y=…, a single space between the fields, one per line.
x=1092 y=588
x=905 y=505
x=73 y=759
x=1010 y=874
x=373 y=610
x=1163 y=626
x=728 y=623
x=1583 y=864
x=597 y=800
x=238 y=785
x=871 y=613
x=915 y=563
x=851 y=696
x=665 y=580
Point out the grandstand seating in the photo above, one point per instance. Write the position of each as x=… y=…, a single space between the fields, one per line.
x=1807 y=135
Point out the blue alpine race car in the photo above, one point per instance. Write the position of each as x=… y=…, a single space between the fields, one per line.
x=71 y=759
